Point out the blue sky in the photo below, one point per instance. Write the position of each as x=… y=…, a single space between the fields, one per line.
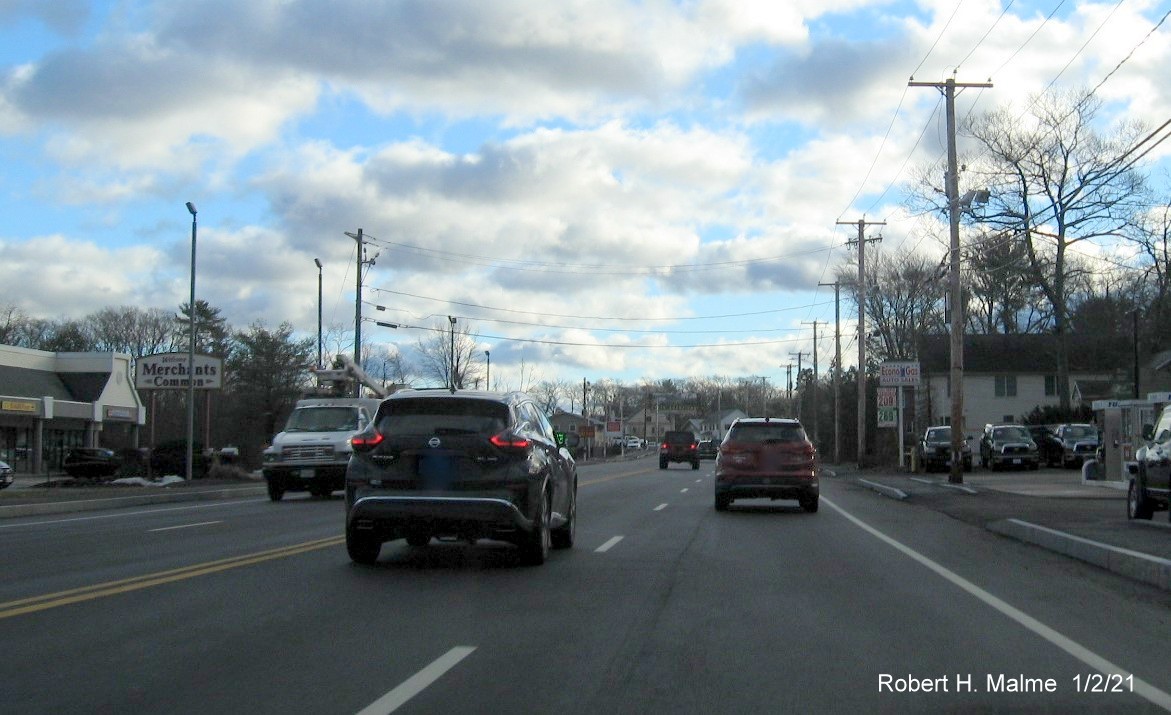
x=551 y=173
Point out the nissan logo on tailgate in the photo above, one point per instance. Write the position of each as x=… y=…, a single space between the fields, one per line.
x=433 y=442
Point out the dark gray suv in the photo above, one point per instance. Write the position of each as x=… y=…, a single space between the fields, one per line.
x=460 y=464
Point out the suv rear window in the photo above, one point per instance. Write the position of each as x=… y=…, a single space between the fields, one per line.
x=762 y=432
x=441 y=416
x=679 y=437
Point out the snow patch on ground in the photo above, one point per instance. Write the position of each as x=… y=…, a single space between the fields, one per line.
x=141 y=482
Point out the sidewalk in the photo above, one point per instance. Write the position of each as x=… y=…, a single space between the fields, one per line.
x=1051 y=508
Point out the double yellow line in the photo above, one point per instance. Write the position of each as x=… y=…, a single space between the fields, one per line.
x=33 y=604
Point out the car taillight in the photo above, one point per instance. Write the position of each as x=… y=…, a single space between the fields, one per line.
x=510 y=441
x=694 y=446
x=366 y=441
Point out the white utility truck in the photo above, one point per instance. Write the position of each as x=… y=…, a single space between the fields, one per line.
x=312 y=451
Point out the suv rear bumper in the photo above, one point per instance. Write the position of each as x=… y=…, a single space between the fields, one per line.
x=767 y=486
x=475 y=517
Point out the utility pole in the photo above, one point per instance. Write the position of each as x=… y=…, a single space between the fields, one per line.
x=816 y=382
x=361 y=253
x=948 y=88
x=837 y=369
x=798 y=355
x=789 y=383
x=861 y=241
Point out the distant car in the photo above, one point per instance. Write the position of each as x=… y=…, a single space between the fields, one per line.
x=633 y=442
x=1008 y=445
x=763 y=457
x=462 y=465
x=707 y=449
x=935 y=450
x=91 y=463
x=1075 y=443
x=679 y=446
x=6 y=475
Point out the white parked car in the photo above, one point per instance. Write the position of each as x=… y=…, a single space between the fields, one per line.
x=6 y=475
x=633 y=442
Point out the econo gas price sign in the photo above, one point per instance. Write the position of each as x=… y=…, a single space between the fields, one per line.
x=899 y=373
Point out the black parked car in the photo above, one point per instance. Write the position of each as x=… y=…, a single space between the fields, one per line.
x=460 y=464
x=1048 y=446
x=1075 y=443
x=91 y=463
x=935 y=450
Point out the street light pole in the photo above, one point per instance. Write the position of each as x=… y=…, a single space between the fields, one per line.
x=191 y=352
x=318 y=262
x=488 y=374
x=452 y=321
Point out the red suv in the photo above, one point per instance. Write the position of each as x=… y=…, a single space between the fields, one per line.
x=765 y=457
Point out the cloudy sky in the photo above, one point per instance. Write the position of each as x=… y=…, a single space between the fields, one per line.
x=600 y=188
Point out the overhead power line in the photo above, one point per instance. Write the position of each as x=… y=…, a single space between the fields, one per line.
x=592 y=317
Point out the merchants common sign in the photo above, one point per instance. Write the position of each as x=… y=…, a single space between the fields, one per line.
x=168 y=371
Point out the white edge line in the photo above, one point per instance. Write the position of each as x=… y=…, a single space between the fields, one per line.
x=1078 y=651
x=610 y=543
x=923 y=480
x=683 y=490
x=661 y=507
x=418 y=682
x=1100 y=545
x=185 y=526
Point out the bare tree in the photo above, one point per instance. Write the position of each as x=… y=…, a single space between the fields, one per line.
x=904 y=293
x=1055 y=182
x=435 y=354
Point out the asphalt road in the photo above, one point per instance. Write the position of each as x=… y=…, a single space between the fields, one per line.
x=664 y=605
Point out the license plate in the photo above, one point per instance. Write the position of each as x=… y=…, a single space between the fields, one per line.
x=307 y=473
x=1016 y=461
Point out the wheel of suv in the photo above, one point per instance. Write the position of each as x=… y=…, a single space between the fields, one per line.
x=534 y=546
x=1138 y=506
x=809 y=504
x=695 y=464
x=275 y=492
x=563 y=536
x=722 y=501
x=662 y=464
x=362 y=547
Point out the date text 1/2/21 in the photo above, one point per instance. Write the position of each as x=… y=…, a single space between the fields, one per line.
x=1104 y=683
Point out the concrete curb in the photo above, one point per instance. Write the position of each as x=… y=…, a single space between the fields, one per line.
x=883 y=489
x=1132 y=564
x=76 y=505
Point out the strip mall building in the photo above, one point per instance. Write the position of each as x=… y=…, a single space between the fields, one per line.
x=50 y=402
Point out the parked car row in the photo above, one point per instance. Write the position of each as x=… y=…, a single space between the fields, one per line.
x=1010 y=445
